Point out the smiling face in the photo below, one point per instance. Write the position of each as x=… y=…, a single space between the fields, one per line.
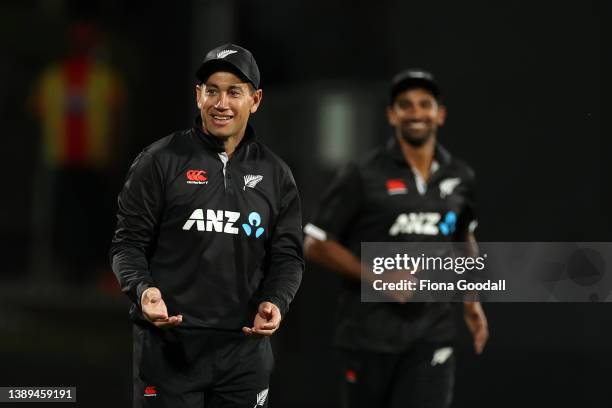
x=416 y=115
x=225 y=102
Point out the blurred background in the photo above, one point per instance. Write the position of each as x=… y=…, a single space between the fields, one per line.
x=523 y=85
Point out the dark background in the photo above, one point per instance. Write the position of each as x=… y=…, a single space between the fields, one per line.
x=524 y=87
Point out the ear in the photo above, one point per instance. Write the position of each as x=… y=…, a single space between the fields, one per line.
x=441 y=117
x=257 y=97
x=198 y=95
x=391 y=117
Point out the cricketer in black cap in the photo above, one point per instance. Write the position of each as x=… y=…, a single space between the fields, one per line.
x=397 y=354
x=208 y=247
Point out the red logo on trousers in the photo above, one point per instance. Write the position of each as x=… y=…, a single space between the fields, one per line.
x=150 y=391
x=351 y=376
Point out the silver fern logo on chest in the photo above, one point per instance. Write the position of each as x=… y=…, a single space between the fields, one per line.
x=447 y=186
x=251 y=180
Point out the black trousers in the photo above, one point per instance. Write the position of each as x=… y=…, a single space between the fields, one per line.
x=189 y=368
x=421 y=377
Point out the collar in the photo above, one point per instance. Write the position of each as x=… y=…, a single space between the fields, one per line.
x=441 y=155
x=215 y=144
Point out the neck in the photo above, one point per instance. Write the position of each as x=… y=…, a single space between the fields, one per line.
x=229 y=143
x=419 y=157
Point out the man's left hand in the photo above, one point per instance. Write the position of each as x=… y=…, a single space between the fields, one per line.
x=476 y=321
x=267 y=320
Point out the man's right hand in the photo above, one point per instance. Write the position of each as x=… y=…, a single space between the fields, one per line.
x=154 y=309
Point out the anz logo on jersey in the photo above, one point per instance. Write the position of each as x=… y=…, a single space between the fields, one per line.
x=424 y=223
x=224 y=221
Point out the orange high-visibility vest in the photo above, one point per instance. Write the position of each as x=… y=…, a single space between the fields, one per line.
x=78 y=101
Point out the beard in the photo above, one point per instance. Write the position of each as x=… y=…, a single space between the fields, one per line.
x=416 y=140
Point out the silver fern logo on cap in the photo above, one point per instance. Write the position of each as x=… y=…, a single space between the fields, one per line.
x=225 y=53
x=251 y=180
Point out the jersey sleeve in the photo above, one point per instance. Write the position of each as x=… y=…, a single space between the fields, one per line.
x=339 y=206
x=139 y=210
x=286 y=264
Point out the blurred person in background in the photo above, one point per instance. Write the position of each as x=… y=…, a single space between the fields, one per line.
x=208 y=247
x=80 y=102
x=397 y=354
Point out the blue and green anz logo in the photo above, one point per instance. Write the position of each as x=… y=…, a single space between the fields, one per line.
x=224 y=221
x=424 y=223
x=448 y=225
x=253 y=226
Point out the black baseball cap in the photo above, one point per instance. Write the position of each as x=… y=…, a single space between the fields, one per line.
x=232 y=58
x=414 y=78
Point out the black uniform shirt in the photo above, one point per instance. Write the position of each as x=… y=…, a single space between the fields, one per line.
x=380 y=199
x=217 y=236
